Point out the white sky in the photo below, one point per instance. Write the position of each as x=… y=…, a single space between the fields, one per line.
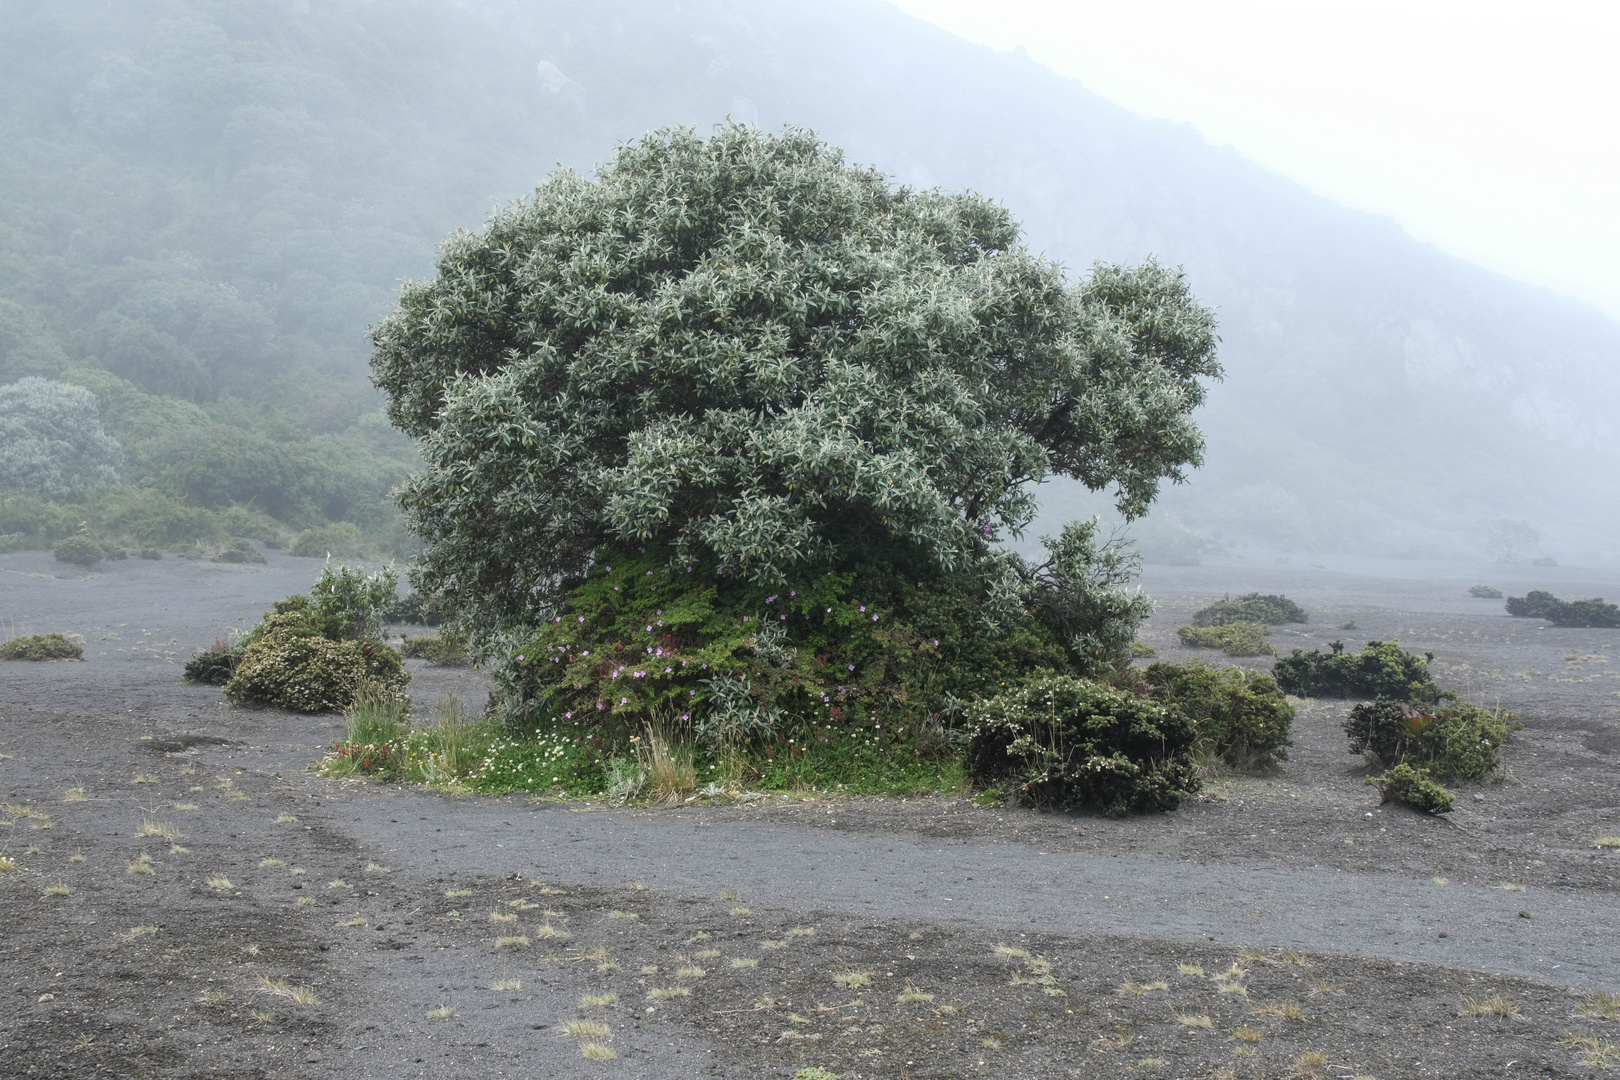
x=1489 y=129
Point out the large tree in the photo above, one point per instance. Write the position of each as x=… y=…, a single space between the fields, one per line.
x=752 y=356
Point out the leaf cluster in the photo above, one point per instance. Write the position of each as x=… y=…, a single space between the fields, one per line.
x=41 y=647
x=1572 y=613
x=1456 y=740
x=1239 y=717
x=1270 y=609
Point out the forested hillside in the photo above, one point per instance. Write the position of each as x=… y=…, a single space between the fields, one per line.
x=203 y=205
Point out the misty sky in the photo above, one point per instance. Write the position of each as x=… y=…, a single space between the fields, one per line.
x=1485 y=128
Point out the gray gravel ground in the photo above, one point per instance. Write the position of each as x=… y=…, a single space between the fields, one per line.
x=1381 y=898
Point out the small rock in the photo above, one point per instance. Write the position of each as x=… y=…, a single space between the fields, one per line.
x=47 y=997
x=1442 y=933
x=1524 y=914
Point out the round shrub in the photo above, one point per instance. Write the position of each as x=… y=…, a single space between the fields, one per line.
x=1272 y=610
x=304 y=672
x=1405 y=784
x=1061 y=742
x=79 y=549
x=1460 y=740
x=212 y=666
x=1239 y=716
x=1382 y=669
x=1234 y=638
x=41 y=647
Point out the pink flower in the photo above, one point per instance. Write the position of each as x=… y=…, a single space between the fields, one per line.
x=624 y=701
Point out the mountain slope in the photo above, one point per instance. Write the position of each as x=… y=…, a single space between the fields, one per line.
x=216 y=198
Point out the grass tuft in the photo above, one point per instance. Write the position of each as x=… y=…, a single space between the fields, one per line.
x=58 y=889
x=1011 y=952
x=1194 y=1020
x=1600 y=1053
x=142 y=865
x=377 y=868
x=75 y=794
x=502 y=916
x=357 y=921
x=443 y=1012
x=306 y=901
x=1190 y=969
x=1608 y=841
x=215 y=997
x=298 y=995
x=220 y=883
x=592 y=1001
x=516 y=941
x=595 y=1051
x=744 y=962
x=158 y=828
x=623 y=915
x=457 y=894
x=853 y=980
x=1495 y=1005
x=1248 y=1034
x=741 y=911
x=270 y=864
x=286 y=819
x=587 y=1029
x=1601 y=1005
x=664 y=993
x=506 y=985
x=802 y=931
x=690 y=971
x=1285 y=1009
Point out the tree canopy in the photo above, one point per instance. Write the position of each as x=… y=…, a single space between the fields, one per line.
x=745 y=353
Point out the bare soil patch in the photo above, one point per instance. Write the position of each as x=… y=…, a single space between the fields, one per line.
x=1292 y=933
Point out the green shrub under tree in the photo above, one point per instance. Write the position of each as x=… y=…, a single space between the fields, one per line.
x=1064 y=743
x=1453 y=739
x=1414 y=787
x=1233 y=638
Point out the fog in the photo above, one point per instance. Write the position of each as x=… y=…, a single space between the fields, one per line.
x=205 y=205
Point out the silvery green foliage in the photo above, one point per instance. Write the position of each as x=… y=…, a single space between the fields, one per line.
x=51 y=441
x=771 y=645
x=733 y=715
x=1082 y=589
x=751 y=355
x=353 y=602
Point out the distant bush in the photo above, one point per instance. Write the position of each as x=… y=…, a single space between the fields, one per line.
x=448 y=648
x=312 y=653
x=1237 y=716
x=240 y=551
x=340 y=540
x=79 y=549
x=1485 y=592
x=212 y=666
x=1062 y=742
x=1533 y=605
x=1270 y=609
x=41 y=647
x=1581 y=614
x=291 y=666
x=1405 y=784
x=1459 y=740
x=1142 y=650
x=1236 y=639
x=1382 y=669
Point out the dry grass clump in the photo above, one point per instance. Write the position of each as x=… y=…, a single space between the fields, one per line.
x=221 y=884
x=595 y=1001
x=1243 y=1033
x=377 y=868
x=502 y=916
x=1608 y=841
x=690 y=971
x=1011 y=952
x=298 y=995
x=1190 y=969
x=546 y=931
x=1140 y=989
x=1600 y=1053
x=1194 y=1020
x=1601 y=1005
x=142 y=865
x=457 y=894
x=215 y=997
x=443 y=1012
x=744 y=962
x=158 y=828
x=286 y=819
x=75 y=794
x=506 y=985
x=665 y=993
x=306 y=901
x=707 y=954
x=58 y=889
x=853 y=980
x=623 y=915
x=270 y=864
x=1308 y=1063
x=671 y=775
x=587 y=1029
x=1495 y=1005
x=516 y=941
x=597 y=1052
x=354 y=923
x=802 y=931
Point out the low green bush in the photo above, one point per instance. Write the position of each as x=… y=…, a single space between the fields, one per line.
x=212 y=666
x=41 y=647
x=1062 y=742
x=288 y=667
x=340 y=540
x=1485 y=592
x=80 y=549
x=1578 y=614
x=448 y=648
x=1414 y=787
x=1458 y=740
x=1533 y=605
x=1238 y=716
x=313 y=653
x=1142 y=650
x=1235 y=639
x=1381 y=669
x=1272 y=610
x=240 y=551
x=415 y=609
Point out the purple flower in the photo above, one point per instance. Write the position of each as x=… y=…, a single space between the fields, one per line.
x=582 y=618
x=520 y=657
x=874 y=618
x=624 y=701
x=863 y=607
